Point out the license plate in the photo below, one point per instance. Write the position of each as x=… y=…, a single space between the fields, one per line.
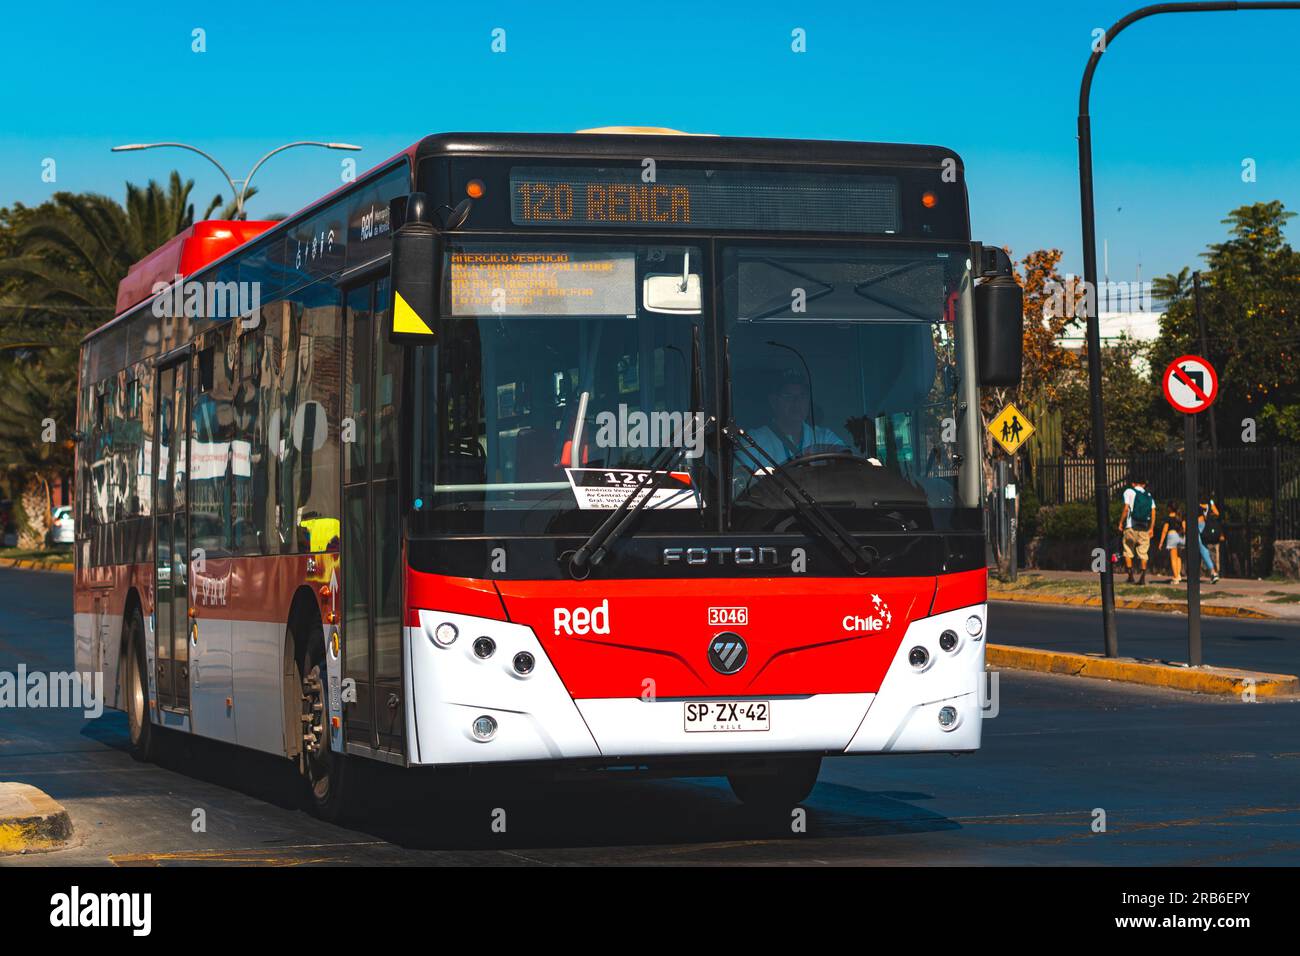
x=726 y=716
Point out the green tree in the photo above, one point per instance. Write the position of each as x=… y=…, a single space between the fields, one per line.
x=1135 y=416
x=1172 y=288
x=1250 y=299
x=70 y=253
x=61 y=265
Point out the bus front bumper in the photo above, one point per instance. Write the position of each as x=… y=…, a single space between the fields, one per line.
x=532 y=717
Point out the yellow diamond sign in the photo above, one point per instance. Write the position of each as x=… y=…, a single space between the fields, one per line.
x=1010 y=428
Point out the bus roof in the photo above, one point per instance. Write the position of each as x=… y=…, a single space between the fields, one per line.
x=593 y=144
x=735 y=149
x=184 y=254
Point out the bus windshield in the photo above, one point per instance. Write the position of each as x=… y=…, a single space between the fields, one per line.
x=845 y=376
x=565 y=373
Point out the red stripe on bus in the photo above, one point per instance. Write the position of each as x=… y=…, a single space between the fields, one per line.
x=962 y=589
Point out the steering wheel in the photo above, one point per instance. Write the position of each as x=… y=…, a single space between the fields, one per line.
x=467 y=448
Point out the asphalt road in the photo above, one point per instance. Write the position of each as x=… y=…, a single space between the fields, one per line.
x=1270 y=646
x=1182 y=779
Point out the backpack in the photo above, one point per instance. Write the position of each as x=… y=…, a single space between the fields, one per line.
x=1212 y=531
x=1143 y=505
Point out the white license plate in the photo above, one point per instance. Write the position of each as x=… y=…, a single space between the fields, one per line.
x=724 y=716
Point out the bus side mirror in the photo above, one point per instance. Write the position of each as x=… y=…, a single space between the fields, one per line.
x=416 y=259
x=999 y=319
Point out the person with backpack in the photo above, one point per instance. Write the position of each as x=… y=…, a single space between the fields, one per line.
x=1171 y=539
x=1214 y=546
x=1136 y=524
x=1211 y=534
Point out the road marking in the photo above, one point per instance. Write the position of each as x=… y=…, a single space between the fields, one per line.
x=249 y=856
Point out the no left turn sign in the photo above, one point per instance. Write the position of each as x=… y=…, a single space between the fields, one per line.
x=1191 y=384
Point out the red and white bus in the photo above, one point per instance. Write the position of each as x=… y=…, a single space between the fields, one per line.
x=594 y=450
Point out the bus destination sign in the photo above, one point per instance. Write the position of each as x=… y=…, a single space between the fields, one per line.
x=704 y=199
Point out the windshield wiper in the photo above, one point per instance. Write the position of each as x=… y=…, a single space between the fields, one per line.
x=596 y=547
x=858 y=556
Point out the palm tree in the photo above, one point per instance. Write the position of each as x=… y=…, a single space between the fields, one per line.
x=60 y=281
x=1172 y=288
x=229 y=209
x=36 y=447
x=71 y=253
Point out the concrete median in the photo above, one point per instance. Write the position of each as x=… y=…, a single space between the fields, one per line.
x=1174 y=607
x=31 y=820
x=1202 y=680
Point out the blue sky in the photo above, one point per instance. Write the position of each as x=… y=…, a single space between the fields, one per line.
x=1180 y=101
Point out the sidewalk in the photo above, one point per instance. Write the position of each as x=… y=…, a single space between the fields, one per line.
x=1231 y=597
x=36 y=560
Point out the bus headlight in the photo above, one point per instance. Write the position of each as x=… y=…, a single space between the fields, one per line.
x=948 y=640
x=948 y=718
x=485 y=728
x=974 y=626
x=445 y=634
x=484 y=647
x=918 y=657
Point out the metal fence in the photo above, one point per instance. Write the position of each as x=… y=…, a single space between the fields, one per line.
x=1257 y=491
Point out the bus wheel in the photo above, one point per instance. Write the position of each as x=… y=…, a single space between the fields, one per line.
x=779 y=785
x=327 y=774
x=144 y=735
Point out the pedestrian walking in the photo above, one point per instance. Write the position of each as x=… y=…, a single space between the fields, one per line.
x=1214 y=546
x=1210 y=532
x=1136 y=524
x=1171 y=539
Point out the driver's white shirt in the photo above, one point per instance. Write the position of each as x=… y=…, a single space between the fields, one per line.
x=782 y=451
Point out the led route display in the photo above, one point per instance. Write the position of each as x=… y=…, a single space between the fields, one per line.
x=704 y=199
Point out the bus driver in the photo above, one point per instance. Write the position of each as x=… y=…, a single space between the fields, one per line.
x=788 y=434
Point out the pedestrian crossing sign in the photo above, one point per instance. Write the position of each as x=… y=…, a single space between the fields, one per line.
x=1010 y=428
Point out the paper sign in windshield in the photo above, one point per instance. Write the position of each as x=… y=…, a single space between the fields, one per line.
x=490 y=281
x=599 y=489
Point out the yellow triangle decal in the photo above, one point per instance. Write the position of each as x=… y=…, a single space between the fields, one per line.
x=405 y=320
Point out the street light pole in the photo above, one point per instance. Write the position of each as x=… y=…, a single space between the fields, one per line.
x=241 y=192
x=1110 y=639
x=1205 y=354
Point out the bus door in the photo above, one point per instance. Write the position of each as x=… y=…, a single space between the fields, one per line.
x=171 y=526
x=371 y=578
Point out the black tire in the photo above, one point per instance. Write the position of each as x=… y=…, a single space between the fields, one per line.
x=780 y=785
x=331 y=779
x=145 y=737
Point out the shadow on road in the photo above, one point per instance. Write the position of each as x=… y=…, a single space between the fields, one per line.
x=419 y=809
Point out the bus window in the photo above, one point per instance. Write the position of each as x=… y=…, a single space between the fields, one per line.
x=212 y=432
x=570 y=370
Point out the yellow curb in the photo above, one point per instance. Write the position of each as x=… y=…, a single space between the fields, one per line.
x=1202 y=680
x=30 y=820
x=36 y=564
x=1078 y=600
